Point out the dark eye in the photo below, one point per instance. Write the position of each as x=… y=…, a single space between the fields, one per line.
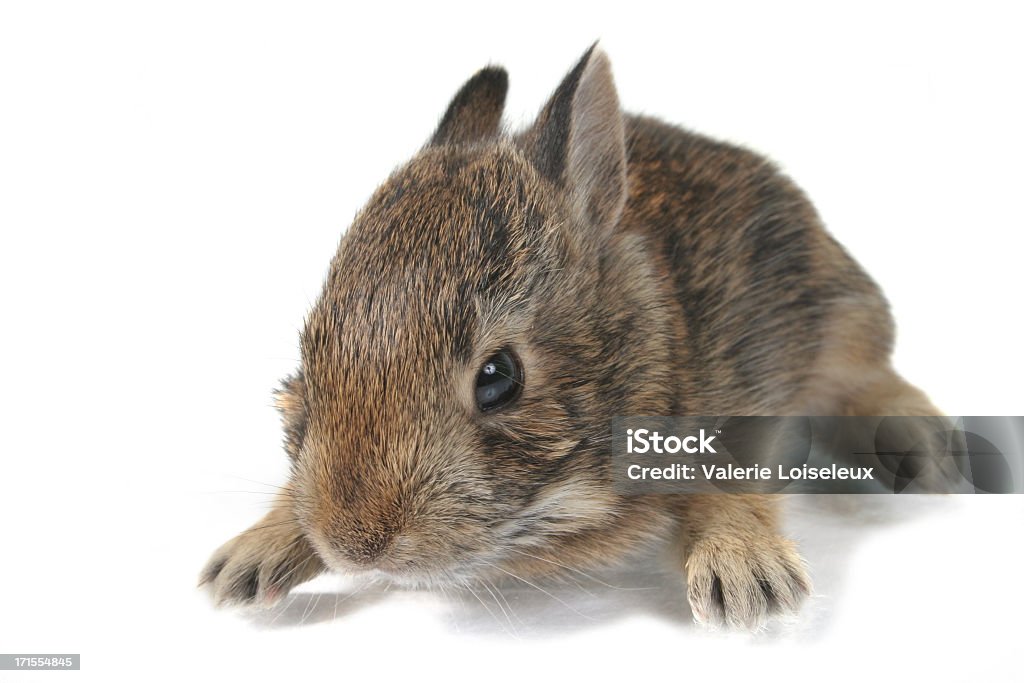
x=499 y=381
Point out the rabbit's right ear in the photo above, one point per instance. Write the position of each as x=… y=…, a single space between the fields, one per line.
x=475 y=112
x=578 y=143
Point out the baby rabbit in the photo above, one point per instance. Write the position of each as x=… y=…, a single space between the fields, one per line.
x=500 y=298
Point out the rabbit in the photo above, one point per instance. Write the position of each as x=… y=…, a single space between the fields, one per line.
x=500 y=298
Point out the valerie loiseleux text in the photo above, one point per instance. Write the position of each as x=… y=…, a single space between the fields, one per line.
x=645 y=441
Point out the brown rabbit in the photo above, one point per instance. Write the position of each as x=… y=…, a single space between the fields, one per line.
x=501 y=298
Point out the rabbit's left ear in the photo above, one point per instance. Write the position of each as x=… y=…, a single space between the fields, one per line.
x=578 y=142
x=475 y=112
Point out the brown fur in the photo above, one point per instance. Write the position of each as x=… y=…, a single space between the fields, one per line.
x=636 y=269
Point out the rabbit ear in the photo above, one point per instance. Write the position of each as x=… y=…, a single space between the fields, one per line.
x=578 y=141
x=475 y=111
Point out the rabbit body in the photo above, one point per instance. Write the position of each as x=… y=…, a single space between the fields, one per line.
x=631 y=268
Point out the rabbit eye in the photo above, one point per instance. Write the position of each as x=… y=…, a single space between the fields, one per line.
x=499 y=381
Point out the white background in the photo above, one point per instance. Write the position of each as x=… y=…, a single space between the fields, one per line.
x=174 y=178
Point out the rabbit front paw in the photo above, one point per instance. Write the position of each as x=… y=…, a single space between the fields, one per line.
x=740 y=583
x=260 y=565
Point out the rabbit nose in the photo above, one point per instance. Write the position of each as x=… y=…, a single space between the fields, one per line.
x=366 y=544
x=367 y=549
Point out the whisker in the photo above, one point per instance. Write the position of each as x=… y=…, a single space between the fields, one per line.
x=272 y=525
x=338 y=600
x=257 y=493
x=582 y=573
x=284 y=609
x=493 y=616
x=507 y=603
x=311 y=606
x=533 y=585
x=277 y=487
x=500 y=606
